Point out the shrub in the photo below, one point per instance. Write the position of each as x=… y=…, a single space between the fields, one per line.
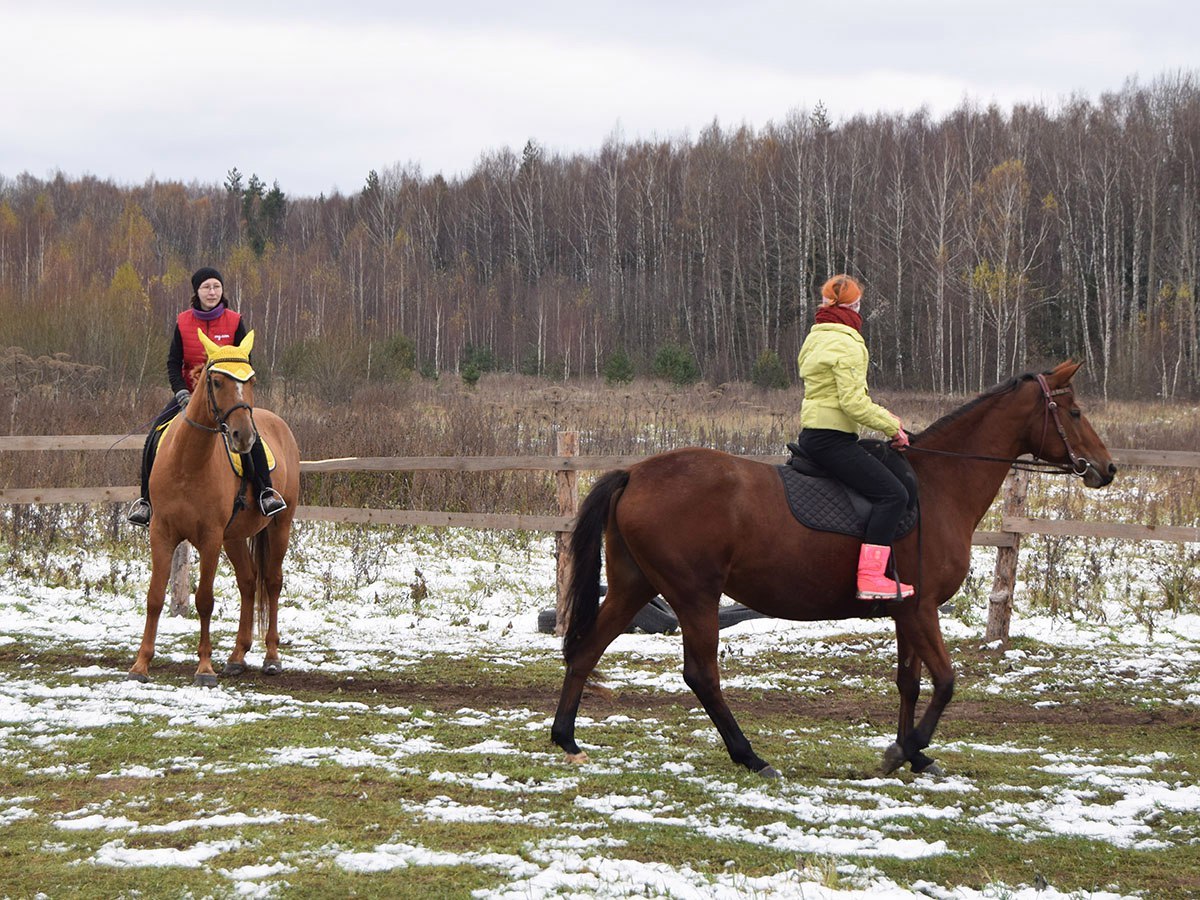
x=395 y=359
x=481 y=358
x=768 y=372
x=530 y=364
x=618 y=368
x=676 y=364
x=471 y=373
x=330 y=363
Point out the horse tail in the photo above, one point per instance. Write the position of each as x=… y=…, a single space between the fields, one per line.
x=260 y=544
x=583 y=593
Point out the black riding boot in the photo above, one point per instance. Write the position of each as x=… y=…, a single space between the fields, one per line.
x=270 y=502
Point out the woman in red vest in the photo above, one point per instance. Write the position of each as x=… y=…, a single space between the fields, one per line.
x=210 y=313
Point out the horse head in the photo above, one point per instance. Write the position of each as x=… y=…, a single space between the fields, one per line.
x=1060 y=432
x=228 y=384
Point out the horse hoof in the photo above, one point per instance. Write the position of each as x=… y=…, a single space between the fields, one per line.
x=893 y=758
x=933 y=770
x=769 y=772
x=205 y=679
x=577 y=759
x=234 y=668
x=272 y=667
x=138 y=677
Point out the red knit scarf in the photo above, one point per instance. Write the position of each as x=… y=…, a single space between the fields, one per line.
x=841 y=315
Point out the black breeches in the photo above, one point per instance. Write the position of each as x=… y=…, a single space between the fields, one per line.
x=150 y=448
x=839 y=453
x=254 y=464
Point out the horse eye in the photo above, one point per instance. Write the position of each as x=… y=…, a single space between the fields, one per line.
x=1076 y=413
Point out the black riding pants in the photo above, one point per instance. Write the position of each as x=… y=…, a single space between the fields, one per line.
x=839 y=453
x=254 y=463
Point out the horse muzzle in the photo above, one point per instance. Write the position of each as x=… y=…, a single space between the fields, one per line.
x=1097 y=475
x=241 y=436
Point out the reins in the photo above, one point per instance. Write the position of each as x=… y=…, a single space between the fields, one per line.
x=1026 y=465
x=1078 y=465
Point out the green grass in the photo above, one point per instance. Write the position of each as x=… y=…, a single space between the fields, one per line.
x=657 y=752
x=346 y=762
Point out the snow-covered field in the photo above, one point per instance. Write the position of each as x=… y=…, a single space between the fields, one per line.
x=373 y=605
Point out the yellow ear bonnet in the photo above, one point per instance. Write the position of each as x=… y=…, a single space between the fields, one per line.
x=233 y=360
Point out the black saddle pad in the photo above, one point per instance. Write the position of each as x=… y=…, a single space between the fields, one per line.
x=825 y=504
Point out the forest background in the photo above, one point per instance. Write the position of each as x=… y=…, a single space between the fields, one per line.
x=989 y=241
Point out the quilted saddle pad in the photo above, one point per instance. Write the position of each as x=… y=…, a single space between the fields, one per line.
x=825 y=504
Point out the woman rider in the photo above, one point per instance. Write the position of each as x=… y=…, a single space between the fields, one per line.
x=210 y=313
x=833 y=364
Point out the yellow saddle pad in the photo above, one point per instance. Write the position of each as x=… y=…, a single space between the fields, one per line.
x=235 y=459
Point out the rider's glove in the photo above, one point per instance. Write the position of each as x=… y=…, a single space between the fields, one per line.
x=182 y=398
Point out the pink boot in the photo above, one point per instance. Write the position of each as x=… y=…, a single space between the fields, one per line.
x=872 y=583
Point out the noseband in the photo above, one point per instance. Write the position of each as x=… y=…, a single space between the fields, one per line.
x=215 y=411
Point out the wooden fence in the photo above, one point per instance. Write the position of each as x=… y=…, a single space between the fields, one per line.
x=565 y=465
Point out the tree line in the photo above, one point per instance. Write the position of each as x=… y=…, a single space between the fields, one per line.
x=988 y=241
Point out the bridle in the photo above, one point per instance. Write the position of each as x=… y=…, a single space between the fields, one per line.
x=1078 y=465
x=221 y=418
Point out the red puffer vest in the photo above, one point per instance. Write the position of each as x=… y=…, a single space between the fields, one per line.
x=219 y=330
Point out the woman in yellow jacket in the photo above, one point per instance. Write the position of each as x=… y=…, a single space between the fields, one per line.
x=833 y=364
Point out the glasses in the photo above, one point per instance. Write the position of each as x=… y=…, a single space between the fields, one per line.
x=210 y=287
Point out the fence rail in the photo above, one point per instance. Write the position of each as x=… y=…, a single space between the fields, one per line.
x=565 y=466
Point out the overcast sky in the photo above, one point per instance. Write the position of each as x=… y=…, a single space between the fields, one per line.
x=316 y=93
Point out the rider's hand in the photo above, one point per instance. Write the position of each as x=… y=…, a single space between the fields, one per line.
x=900 y=438
x=182 y=398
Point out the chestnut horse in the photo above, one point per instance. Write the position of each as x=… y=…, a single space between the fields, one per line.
x=197 y=497
x=693 y=524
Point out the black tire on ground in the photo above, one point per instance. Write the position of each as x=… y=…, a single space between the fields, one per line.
x=656 y=617
x=547 y=619
x=734 y=613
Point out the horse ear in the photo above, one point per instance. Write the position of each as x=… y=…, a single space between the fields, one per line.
x=247 y=343
x=1065 y=371
x=209 y=347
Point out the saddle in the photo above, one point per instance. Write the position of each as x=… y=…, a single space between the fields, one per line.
x=823 y=503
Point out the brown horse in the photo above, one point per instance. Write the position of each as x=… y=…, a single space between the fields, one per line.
x=197 y=497
x=694 y=524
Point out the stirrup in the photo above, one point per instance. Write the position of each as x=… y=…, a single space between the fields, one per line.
x=893 y=591
x=139 y=513
x=270 y=503
x=894 y=596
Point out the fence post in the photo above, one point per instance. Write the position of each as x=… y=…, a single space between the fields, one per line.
x=181 y=579
x=566 y=444
x=1000 y=602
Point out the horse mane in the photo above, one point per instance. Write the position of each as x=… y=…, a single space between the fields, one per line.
x=1004 y=387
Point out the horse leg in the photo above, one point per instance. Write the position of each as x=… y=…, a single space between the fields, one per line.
x=271 y=581
x=923 y=636
x=209 y=556
x=699 y=621
x=628 y=591
x=161 y=551
x=243 y=568
x=908 y=683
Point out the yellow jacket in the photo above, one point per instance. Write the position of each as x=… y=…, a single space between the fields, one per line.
x=833 y=364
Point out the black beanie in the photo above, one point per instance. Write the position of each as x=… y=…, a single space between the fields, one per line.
x=202 y=275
